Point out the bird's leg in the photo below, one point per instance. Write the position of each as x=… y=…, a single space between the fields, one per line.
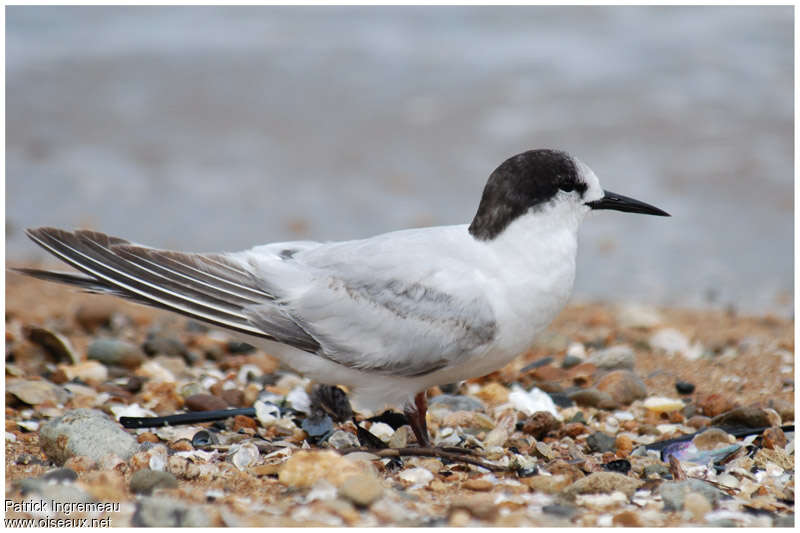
x=419 y=424
x=415 y=414
x=416 y=419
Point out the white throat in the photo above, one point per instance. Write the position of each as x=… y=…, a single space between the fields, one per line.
x=544 y=225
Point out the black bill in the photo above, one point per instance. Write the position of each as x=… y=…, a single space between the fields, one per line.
x=617 y=202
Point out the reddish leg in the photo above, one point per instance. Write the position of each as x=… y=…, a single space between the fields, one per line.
x=416 y=418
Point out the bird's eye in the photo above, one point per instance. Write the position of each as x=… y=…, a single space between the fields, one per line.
x=568 y=187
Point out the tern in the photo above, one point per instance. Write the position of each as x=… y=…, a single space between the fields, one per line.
x=389 y=316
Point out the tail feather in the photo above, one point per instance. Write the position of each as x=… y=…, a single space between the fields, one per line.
x=209 y=287
x=87 y=283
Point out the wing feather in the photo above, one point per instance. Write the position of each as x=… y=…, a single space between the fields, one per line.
x=371 y=310
x=353 y=303
x=93 y=254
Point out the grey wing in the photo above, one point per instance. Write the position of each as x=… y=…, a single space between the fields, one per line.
x=214 y=288
x=385 y=324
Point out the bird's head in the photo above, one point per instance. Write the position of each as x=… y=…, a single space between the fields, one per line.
x=542 y=181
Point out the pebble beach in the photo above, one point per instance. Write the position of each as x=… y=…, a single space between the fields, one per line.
x=662 y=396
x=572 y=433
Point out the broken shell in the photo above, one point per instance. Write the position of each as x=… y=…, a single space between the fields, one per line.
x=267 y=413
x=56 y=344
x=244 y=456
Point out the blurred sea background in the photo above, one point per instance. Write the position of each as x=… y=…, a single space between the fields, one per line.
x=218 y=128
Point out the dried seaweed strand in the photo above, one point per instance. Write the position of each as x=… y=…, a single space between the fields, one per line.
x=427 y=452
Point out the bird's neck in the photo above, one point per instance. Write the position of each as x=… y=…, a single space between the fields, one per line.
x=551 y=230
x=535 y=258
x=533 y=273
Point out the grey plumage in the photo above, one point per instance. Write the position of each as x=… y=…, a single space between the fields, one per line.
x=168 y=280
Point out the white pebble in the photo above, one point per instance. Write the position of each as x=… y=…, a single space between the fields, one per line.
x=382 y=431
x=86 y=371
x=602 y=501
x=322 y=490
x=173 y=433
x=774 y=470
x=158 y=457
x=496 y=437
x=638 y=316
x=208 y=381
x=299 y=399
x=155 y=372
x=343 y=439
x=30 y=425
x=448 y=437
x=80 y=390
x=577 y=349
x=728 y=480
x=667 y=428
x=532 y=401
x=417 y=476
x=134 y=409
x=290 y=381
x=605 y=520
x=400 y=437
x=674 y=342
x=364 y=457
x=661 y=404
x=214 y=494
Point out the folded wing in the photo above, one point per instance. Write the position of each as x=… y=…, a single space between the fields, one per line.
x=208 y=287
x=379 y=306
x=352 y=303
